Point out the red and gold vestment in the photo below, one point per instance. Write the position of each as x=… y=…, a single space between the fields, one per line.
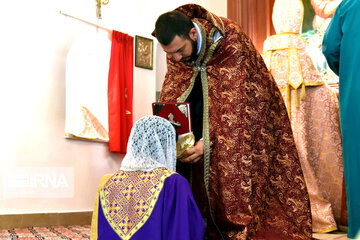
x=251 y=170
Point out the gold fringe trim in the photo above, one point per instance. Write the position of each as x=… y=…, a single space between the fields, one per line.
x=296 y=99
x=303 y=92
x=288 y=100
x=95 y=216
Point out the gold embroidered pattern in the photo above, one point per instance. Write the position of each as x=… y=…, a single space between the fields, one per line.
x=286 y=58
x=128 y=199
x=289 y=20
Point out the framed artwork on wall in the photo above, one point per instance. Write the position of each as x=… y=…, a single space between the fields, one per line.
x=143 y=52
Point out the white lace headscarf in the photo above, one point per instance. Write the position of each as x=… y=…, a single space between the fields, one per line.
x=152 y=144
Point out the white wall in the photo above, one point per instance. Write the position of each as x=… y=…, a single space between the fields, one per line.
x=34 y=44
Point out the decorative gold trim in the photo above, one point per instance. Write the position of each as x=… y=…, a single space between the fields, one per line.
x=267 y=58
x=302 y=15
x=291 y=52
x=95 y=215
x=216 y=23
x=288 y=33
x=202 y=69
x=206 y=132
x=272 y=43
x=184 y=96
x=314 y=84
x=288 y=100
x=206 y=135
x=98 y=7
x=211 y=35
x=288 y=94
x=223 y=27
x=327 y=230
x=167 y=173
x=306 y=85
x=290 y=85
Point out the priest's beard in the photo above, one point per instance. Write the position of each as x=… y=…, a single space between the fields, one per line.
x=193 y=55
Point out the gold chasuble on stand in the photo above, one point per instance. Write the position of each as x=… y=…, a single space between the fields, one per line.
x=313 y=108
x=250 y=183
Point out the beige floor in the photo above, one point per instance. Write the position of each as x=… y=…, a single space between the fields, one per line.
x=332 y=236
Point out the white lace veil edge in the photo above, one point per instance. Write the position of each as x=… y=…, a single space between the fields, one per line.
x=152 y=144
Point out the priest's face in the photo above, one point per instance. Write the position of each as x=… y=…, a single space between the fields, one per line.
x=183 y=49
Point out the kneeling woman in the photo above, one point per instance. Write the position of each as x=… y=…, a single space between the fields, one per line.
x=146 y=198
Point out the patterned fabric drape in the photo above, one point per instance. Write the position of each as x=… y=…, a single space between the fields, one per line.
x=313 y=108
x=120 y=91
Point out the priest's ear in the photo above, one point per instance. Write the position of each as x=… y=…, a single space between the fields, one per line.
x=193 y=34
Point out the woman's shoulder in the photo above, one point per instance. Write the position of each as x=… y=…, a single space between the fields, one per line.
x=177 y=179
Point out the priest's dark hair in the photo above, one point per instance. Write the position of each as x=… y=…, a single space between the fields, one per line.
x=170 y=24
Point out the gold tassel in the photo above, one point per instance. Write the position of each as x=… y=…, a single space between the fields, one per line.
x=296 y=99
x=303 y=93
x=288 y=100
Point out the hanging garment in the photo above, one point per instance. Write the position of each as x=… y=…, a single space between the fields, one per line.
x=313 y=111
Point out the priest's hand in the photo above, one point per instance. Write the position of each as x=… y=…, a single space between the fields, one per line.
x=194 y=154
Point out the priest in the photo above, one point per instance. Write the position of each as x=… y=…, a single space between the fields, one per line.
x=246 y=172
